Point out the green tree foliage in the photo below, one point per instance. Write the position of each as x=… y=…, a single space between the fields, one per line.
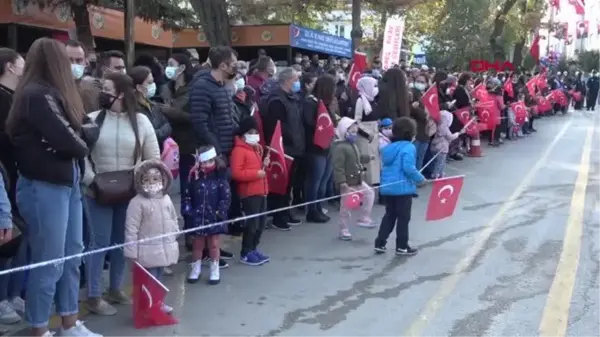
x=589 y=60
x=473 y=29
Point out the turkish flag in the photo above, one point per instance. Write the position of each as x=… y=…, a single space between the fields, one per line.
x=531 y=84
x=431 y=102
x=256 y=115
x=555 y=4
x=579 y=6
x=543 y=104
x=324 y=130
x=480 y=93
x=508 y=88
x=534 y=51
x=444 y=197
x=359 y=66
x=583 y=29
x=148 y=296
x=542 y=81
x=488 y=114
x=576 y=95
x=464 y=116
x=520 y=112
x=558 y=96
x=277 y=171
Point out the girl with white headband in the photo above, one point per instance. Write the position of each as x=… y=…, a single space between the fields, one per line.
x=206 y=201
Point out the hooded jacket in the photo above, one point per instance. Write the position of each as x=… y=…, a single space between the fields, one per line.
x=151 y=216
x=347 y=161
x=399 y=174
x=246 y=160
x=443 y=136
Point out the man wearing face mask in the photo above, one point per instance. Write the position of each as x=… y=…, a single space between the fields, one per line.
x=89 y=87
x=282 y=106
x=211 y=107
x=260 y=75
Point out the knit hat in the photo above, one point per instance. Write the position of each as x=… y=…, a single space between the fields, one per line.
x=246 y=125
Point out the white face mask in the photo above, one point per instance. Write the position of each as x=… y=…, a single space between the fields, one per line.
x=171 y=72
x=387 y=132
x=153 y=188
x=77 y=70
x=421 y=86
x=252 y=139
x=240 y=83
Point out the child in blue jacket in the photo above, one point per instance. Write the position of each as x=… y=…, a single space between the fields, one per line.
x=399 y=181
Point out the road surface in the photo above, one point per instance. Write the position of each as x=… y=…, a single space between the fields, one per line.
x=519 y=256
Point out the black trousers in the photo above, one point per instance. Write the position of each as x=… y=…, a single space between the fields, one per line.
x=255 y=226
x=397 y=213
x=591 y=100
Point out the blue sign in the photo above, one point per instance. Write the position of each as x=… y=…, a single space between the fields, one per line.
x=310 y=39
x=419 y=59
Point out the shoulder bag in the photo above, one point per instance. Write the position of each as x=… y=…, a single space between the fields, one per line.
x=111 y=188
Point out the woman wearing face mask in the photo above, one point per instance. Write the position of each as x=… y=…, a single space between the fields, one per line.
x=126 y=138
x=422 y=120
x=243 y=98
x=367 y=117
x=145 y=90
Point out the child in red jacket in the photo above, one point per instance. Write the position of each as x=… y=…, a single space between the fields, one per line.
x=248 y=171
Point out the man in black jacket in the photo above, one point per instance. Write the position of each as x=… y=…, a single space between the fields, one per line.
x=282 y=105
x=593 y=85
x=211 y=105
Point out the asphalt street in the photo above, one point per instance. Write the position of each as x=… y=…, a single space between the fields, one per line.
x=519 y=257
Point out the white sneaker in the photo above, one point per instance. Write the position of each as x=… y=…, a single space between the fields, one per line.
x=166 y=309
x=195 y=271
x=48 y=334
x=18 y=304
x=78 y=330
x=215 y=276
x=8 y=315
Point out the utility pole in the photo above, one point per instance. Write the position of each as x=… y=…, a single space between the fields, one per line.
x=129 y=32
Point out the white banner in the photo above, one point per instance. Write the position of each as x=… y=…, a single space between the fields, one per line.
x=392 y=42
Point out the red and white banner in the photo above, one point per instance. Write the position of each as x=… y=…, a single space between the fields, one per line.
x=392 y=42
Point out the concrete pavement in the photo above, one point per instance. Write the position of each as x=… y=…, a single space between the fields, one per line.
x=500 y=266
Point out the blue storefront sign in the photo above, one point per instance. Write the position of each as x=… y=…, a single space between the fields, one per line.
x=314 y=40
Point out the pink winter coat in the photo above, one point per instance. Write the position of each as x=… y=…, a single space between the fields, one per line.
x=149 y=217
x=443 y=136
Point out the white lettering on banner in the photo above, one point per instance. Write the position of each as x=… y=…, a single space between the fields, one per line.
x=392 y=42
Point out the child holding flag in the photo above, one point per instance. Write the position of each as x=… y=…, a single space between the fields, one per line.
x=248 y=171
x=399 y=180
x=151 y=214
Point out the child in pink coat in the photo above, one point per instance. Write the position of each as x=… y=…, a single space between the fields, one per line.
x=441 y=142
x=151 y=214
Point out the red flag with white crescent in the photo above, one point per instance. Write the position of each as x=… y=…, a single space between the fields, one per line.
x=464 y=116
x=480 y=93
x=508 y=88
x=148 y=296
x=579 y=6
x=531 y=84
x=520 y=112
x=444 y=197
x=324 y=130
x=359 y=66
x=430 y=100
x=277 y=171
x=488 y=114
x=543 y=104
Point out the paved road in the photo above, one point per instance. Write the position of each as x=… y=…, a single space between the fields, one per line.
x=523 y=239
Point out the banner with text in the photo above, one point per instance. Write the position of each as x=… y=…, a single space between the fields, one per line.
x=392 y=42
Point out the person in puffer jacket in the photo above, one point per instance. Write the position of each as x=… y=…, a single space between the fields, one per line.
x=441 y=142
x=399 y=181
x=151 y=214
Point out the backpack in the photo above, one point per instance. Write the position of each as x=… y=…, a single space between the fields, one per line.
x=170 y=156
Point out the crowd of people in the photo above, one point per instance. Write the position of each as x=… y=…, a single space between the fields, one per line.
x=85 y=147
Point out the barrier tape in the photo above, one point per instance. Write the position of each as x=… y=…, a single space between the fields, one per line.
x=58 y=261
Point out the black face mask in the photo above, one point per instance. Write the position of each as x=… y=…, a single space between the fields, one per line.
x=106 y=100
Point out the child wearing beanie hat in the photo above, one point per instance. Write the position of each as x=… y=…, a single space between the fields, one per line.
x=248 y=171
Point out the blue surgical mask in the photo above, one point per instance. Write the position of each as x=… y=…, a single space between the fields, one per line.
x=296 y=86
x=351 y=137
x=170 y=72
x=240 y=83
x=151 y=90
x=77 y=70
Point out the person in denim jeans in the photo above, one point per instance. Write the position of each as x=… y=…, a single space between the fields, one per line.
x=47 y=126
x=10 y=285
x=126 y=137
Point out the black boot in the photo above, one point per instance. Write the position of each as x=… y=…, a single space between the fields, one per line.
x=317 y=217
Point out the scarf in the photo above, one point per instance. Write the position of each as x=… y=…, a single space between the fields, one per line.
x=367 y=90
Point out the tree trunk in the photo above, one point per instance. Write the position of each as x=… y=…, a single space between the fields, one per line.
x=357 y=32
x=129 y=24
x=215 y=21
x=499 y=22
x=518 y=52
x=83 y=30
x=379 y=40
